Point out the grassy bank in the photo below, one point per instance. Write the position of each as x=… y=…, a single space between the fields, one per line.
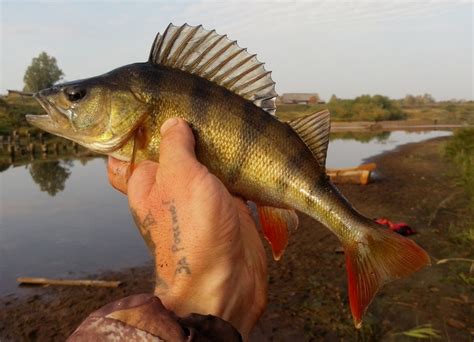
x=381 y=108
x=442 y=112
x=13 y=111
x=460 y=151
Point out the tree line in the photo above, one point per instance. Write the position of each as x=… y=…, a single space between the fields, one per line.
x=366 y=108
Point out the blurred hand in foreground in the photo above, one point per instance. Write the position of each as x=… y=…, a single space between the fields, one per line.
x=209 y=258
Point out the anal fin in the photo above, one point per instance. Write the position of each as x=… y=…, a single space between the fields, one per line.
x=276 y=224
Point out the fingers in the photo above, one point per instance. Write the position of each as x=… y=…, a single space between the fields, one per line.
x=117 y=171
x=141 y=182
x=177 y=158
x=177 y=147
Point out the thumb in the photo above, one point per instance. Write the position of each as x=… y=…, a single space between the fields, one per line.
x=177 y=147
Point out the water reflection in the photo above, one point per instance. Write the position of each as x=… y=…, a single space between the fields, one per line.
x=51 y=176
x=348 y=149
x=361 y=136
x=84 y=228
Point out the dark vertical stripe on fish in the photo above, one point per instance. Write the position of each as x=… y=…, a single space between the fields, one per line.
x=201 y=93
x=247 y=120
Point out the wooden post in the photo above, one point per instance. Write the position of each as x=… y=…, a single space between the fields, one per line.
x=69 y=282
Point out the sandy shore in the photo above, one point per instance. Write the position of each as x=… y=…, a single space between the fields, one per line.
x=307 y=295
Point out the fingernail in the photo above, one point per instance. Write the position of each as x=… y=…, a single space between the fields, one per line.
x=168 y=124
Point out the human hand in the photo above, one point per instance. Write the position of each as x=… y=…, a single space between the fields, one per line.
x=209 y=258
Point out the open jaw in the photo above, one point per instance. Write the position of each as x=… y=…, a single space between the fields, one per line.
x=49 y=121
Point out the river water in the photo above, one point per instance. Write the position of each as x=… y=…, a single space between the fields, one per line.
x=63 y=219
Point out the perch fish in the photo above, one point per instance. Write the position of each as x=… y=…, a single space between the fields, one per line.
x=228 y=99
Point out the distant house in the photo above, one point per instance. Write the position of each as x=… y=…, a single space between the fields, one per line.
x=299 y=98
x=17 y=93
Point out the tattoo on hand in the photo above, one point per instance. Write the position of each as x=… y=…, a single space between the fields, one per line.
x=144 y=228
x=182 y=266
x=175 y=225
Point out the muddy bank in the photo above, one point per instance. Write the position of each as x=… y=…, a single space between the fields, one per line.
x=307 y=298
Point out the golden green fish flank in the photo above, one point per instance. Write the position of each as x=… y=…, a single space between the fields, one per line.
x=236 y=140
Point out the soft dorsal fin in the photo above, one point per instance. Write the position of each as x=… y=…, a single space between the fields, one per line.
x=217 y=59
x=314 y=130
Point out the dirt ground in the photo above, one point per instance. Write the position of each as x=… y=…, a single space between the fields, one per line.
x=307 y=294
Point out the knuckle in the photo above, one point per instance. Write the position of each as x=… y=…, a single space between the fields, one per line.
x=203 y=182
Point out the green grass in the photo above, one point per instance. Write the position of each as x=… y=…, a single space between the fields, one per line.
x=443 y=112
x=422 y=332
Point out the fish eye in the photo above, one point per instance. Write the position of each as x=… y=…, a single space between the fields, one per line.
x=75 y=94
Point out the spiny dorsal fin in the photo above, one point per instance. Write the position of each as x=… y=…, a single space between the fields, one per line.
x=314 y=130
x=217 y=59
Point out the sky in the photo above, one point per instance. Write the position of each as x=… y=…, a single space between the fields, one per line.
x=347 y=48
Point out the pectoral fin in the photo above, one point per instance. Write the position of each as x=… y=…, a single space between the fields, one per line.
x=276 y=224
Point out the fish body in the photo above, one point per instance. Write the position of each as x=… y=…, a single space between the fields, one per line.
x=226 y=97
x=235 y=139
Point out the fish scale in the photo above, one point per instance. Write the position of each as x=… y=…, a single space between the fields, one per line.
x=228 y=99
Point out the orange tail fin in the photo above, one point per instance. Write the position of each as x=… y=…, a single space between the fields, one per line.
x=381 y=257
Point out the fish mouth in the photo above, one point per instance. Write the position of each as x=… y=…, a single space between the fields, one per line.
x=45 y=121
x=41 y=120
